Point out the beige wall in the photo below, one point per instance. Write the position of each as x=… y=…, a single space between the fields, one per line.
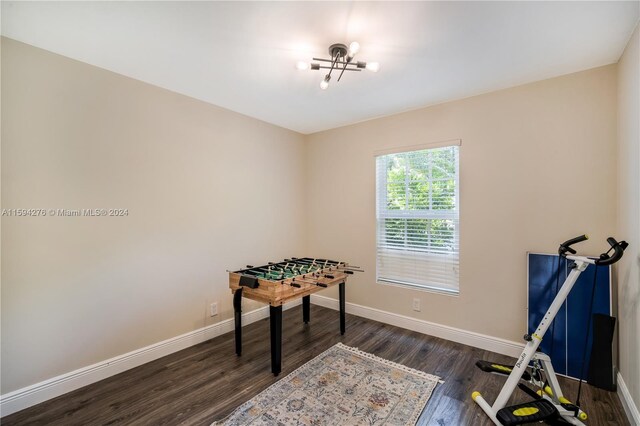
x=201 y=185
x=537 y=166
x=196 y=181
x=629 y=214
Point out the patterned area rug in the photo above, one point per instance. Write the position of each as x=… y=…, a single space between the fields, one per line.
x=341 y=386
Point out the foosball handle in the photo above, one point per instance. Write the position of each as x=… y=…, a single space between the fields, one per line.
x=249 y=266
x=321 y=285
x=296 y=285
x=348 y=272
x=330 y=276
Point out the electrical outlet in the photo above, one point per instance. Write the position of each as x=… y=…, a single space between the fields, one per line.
x=416 y=304
x=213 y=309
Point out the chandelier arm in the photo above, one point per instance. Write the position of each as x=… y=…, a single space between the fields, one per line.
x=355 y=64
x=348 y=69
x=343 y=68
x=333 y=65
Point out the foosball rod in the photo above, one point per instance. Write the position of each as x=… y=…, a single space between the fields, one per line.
x=256 y=274
x=302 y=262
x=302 y=280
x=351 y=268
x=309 y=267
x=255 y=270
x=322 y=264
x=288 y=262
x=268 y=271
x=275 y=271
x=316 y=261
x=294 y=281
x=279 y=264
x=345 y=265
x=334 y=264
x=274 y=275
x=279 y=271
x=347 y=269
x=300 y=271
x=267 y=274
x=344 y=268
x=284 y=279
x=321 y=275
x=245 y=271
x=307 y=261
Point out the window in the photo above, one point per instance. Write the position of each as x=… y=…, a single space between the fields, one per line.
x=417 y=218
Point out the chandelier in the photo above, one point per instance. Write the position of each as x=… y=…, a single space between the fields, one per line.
x=341 y=60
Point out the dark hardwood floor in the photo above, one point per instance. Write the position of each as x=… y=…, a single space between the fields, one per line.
x=206 y=382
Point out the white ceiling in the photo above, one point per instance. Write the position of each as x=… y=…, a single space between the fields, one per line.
x=242 y=55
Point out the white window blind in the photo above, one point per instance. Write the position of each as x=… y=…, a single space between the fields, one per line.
x=417 y=200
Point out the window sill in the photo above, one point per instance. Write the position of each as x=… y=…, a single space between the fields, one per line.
x=426 y=289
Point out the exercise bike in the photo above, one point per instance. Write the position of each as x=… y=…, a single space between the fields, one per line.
x=549 y=404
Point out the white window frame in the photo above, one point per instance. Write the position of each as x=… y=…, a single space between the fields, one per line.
x=418 y=214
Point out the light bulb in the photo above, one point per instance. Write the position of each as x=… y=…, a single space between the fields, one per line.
x=325 y=83
x=302 y=65
x=353 y=48
x=373 y=66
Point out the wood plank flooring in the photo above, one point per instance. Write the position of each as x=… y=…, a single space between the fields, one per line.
x=206 y=382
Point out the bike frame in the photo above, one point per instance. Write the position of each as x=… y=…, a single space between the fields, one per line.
x=529 y=354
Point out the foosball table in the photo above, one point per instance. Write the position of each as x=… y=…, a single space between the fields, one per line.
x=282 y=282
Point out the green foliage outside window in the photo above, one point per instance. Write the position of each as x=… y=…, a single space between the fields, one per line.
x=421 y=182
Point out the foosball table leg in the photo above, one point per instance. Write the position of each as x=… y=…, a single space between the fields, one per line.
x=275 y=314
x=237 y=309
x=306 y=308
x=342 y=307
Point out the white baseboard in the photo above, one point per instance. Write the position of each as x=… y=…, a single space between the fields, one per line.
x=627 y=402
x=56 y=386
x=470 y=338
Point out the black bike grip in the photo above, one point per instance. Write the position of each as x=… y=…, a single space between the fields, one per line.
x=566 y=246
x=575 y=240
x=618 y=251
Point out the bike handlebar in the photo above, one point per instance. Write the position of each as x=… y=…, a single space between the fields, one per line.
x=566 y=246
x=604 y=259
x=618 y=251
